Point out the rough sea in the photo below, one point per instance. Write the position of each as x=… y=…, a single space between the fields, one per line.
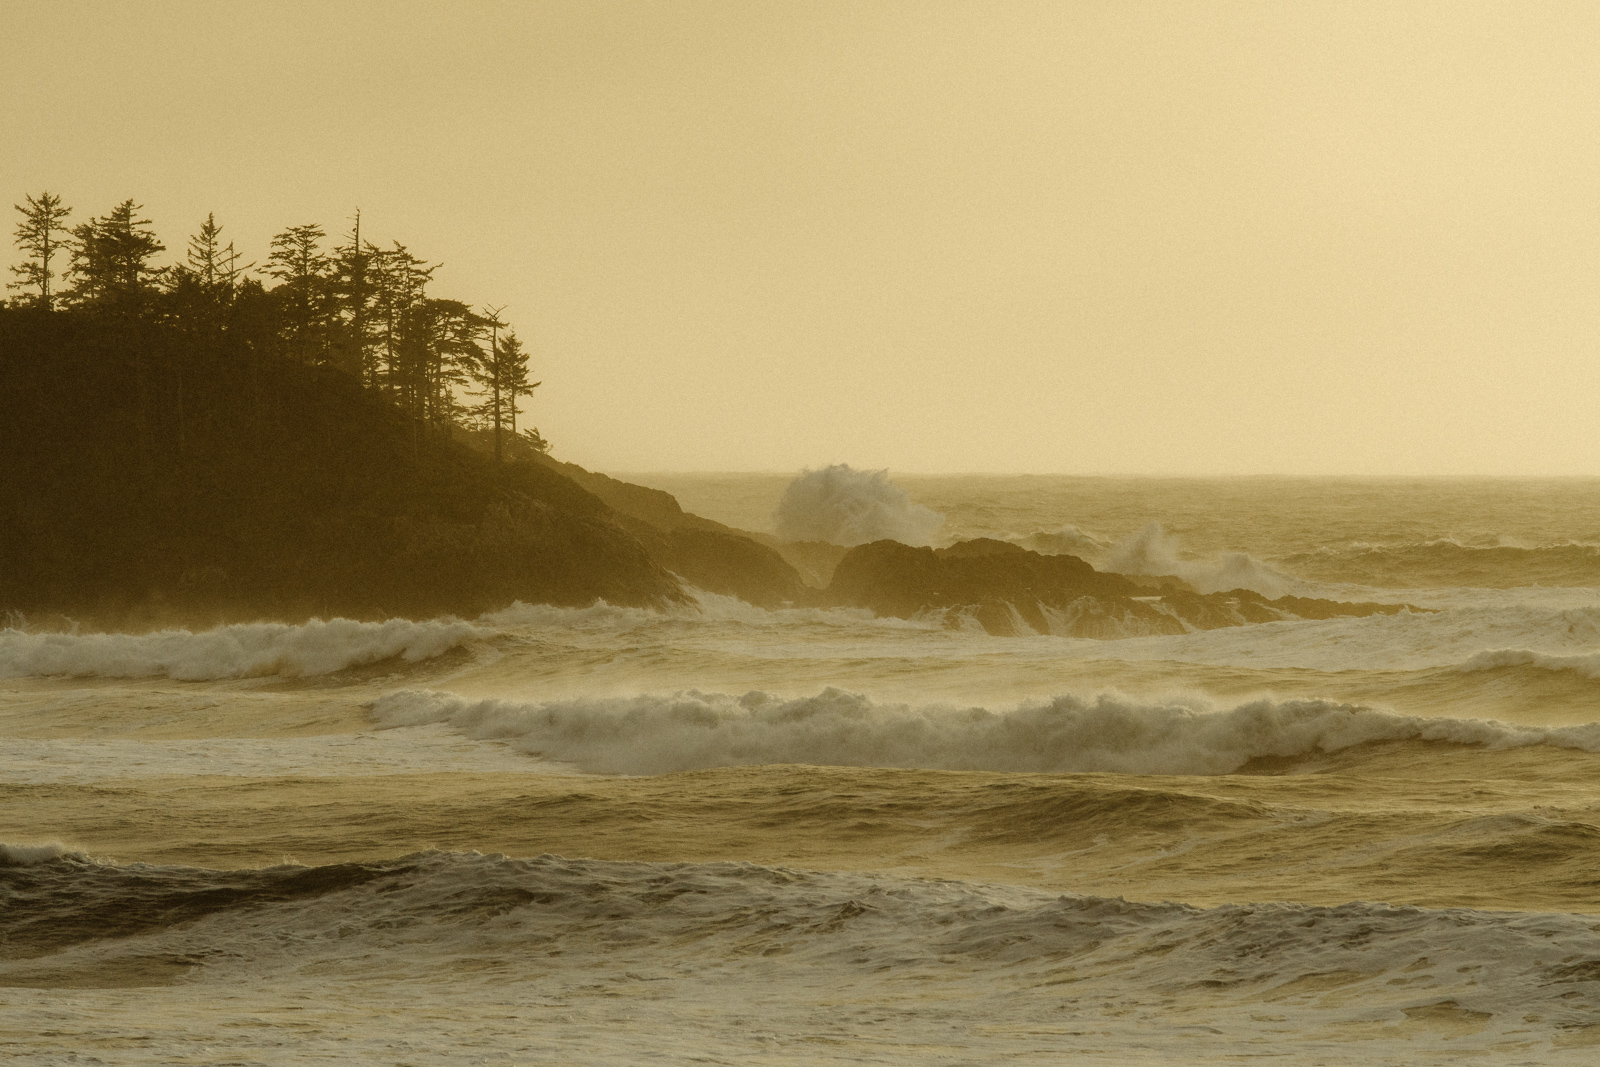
x=725 y=835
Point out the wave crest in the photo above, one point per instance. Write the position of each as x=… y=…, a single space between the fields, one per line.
x=34 y=855
x=237 y=651
x=692 y=730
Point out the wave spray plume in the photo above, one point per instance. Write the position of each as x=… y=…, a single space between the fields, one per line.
x=848 y=507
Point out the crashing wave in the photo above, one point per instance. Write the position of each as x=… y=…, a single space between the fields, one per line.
x=237 y=651
x=692 y=730
x=1153 y=551
x=844 y=506
x=34 y=855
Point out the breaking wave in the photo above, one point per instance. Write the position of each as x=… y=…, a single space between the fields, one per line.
x=692 y=730
x=848 y=507
x=237 y=651
x=31 y=855
x=1153 y=551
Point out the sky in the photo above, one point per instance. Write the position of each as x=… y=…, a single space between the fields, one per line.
x=998 y=236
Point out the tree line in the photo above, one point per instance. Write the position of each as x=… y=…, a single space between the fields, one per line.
x=352 y=306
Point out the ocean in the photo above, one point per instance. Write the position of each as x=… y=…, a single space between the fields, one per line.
x=719 y=834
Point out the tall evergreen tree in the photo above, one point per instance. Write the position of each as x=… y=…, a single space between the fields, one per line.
x=400 y=281
x=201 y=290
x=515 y=385
x=111 y=260
x=306 y=292
x=36 y=235
x=501 y=375
x=438 y=345
x=355 y=286
x=206 y=253
x=488 y=373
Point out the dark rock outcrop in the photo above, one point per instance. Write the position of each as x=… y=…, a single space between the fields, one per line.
x=1008 y=590
x=813 y=560
x=704 y=553
x=896 y=579
x=732 y=566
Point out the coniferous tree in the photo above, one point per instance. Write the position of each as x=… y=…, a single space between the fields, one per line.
x=355 y=284
x=515 y=385
x=400 y=282
x=36 y=235
x=111 y=268
x=502 y=377
x=201 y=290
x=438 y=345
x=206 y=254
x=306 y=293
x=488 y=373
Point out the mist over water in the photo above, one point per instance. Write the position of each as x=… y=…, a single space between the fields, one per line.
x=808 y=835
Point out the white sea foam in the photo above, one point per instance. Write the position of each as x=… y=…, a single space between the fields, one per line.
x=1153 y=551
x=237 y=651
x=849 y=507
x=32 y=855
x=658 y=734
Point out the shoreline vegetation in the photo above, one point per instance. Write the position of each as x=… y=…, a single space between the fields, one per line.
x=187 y=445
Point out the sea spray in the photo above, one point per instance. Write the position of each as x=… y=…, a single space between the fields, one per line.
x=849 y=507
x=1153 y=551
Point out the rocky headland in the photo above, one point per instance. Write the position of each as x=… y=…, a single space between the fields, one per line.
x=154 y=478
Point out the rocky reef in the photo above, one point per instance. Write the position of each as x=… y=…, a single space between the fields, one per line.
x=1008 y=590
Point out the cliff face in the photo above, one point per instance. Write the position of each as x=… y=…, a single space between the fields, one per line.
x=151 y=477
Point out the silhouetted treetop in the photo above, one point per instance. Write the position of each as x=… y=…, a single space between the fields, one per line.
x=36 y=236
x=112 y=266
x=359 y=308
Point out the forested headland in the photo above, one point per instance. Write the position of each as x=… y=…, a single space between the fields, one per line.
x=213 y=439
x=193 y=443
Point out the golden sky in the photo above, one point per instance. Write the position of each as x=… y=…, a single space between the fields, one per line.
x=936 y=236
